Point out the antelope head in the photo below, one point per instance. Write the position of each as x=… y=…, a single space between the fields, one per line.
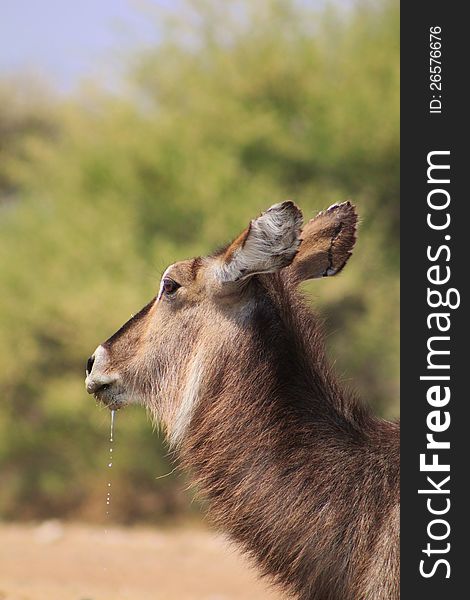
x=206 y=309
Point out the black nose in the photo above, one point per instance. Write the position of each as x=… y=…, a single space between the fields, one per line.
x=89 y=364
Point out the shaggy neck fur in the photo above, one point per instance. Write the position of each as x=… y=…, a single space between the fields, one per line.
x=298 y=473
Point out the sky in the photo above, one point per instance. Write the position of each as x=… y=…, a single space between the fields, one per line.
x=62 y=41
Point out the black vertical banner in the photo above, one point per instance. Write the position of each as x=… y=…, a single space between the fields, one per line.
x=435 y=217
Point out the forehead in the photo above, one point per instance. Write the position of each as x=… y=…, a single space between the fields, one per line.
x=183 y=272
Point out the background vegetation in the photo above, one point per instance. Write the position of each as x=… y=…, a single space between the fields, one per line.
x=240 y=105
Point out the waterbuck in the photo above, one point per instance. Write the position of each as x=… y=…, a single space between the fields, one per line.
x=231 y=360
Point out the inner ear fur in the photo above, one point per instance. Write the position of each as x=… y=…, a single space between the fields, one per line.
x=268 y=244
x=327 y=243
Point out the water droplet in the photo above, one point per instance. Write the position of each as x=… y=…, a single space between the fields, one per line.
x=113 y=414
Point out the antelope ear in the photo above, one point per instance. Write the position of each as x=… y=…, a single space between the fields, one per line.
x=327 y=243
x=268 y=244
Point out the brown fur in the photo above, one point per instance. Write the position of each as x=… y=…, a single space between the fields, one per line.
x=293 y=467
x=303 y=478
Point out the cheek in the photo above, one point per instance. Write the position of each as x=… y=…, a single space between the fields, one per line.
x=176 y=330
x=172 y=334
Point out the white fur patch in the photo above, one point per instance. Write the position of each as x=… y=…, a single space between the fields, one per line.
x=188 y=401
x=271 y=243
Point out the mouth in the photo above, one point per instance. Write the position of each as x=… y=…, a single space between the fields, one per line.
x=109 y=397
x=108 y=394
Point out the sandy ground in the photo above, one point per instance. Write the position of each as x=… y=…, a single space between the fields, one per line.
x=75 y=562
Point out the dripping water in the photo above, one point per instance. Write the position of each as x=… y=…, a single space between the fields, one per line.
x=110 y=464
x=110 y=460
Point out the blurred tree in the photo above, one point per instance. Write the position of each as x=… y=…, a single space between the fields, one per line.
x=26 y=110
x=234 y=110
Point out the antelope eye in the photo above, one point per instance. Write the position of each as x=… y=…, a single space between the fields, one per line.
x=169 y=286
